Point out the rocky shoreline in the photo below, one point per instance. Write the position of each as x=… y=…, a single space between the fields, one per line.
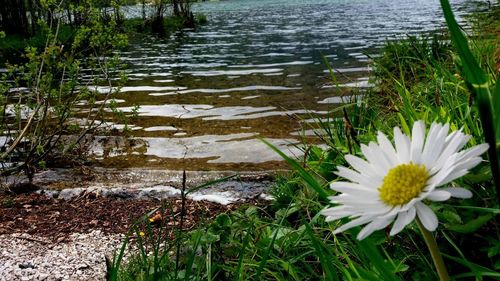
x=64 y=230
x=140 y=184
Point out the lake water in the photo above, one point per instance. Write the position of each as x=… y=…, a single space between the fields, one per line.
x=255 y=70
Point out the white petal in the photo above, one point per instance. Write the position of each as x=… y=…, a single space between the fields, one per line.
x=453 y=176
x=333 y=210
x=402 y=143
x=353 y=188
x=370 y=152
x=373 y=226
x=336 y=213
x=352 y=176
x=441 y=174
x=465 y=140
x=434 y=145
x=458 y=192
x=417 y=199
x=335 y=184
x=468 y=164
x=377 y=208
x=353 y=223
x=455 y=167
x=403 y=220
x=353 y=200
x=475 y=151
x=417 y=141
x=431 y=138
x=439 y=195
x=362 y=166
x=453 y=144
x=426 y=216
x=388 y=149
x=335 y=217
x=382 y=159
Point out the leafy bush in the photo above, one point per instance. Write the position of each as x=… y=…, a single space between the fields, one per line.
x=38 y=98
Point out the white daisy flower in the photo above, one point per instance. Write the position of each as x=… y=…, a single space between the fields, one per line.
x=393 y=181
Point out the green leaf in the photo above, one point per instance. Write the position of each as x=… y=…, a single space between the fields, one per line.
x=452 y=217
x=288 y=267
x=366 y=275
x=494 y=249
x=479 y=209
x=478 y=83
x=326 y=257
x=267 y=252
x=281 y=232
x=385 y=269
x=471 y=68
x=306 y=176
x=472 y=225
x=477 y=270
x=287 y=212
x=239 y=269
x=496 y=108
x=223 y=220
x=404 y=125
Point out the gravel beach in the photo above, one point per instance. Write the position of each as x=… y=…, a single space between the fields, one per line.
x=64 y=230
x=80 y=257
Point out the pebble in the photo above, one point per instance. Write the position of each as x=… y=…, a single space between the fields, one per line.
x=79 y=259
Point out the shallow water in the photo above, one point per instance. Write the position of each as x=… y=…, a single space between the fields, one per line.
x=255 y=70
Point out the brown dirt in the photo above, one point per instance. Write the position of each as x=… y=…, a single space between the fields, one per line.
x=57 y=219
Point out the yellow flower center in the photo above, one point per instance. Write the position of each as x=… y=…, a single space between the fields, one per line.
x=403 y=183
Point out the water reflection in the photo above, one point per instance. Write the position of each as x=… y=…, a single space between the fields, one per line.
x=255 y=70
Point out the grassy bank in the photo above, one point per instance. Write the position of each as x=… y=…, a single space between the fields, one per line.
x=419 y=78
x=12 y=46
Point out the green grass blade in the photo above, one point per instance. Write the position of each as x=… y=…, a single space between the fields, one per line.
x=367 y=247
x=496 y=108
x=289 y=269
x=471 y=68
x=477 y=270
x=306 y=176
x=270 y=248
x=465 y=260
x=495 y=211
x=479 y=82
x=326 y=257
x=239 y=268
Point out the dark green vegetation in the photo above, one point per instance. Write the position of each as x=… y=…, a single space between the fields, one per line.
x=21 y=30
x=38 y=96
x=420 y=78
x=28 y=23
x=52 y=51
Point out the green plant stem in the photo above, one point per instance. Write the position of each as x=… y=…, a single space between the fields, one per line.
x=479 y=85
x=181 y=223
x=430 y=241
x=486 y=117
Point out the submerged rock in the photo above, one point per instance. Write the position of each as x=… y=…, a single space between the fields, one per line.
x=23 y=187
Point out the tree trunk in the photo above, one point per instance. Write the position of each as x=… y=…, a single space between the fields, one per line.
x=176 y=8
x=13 y=17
